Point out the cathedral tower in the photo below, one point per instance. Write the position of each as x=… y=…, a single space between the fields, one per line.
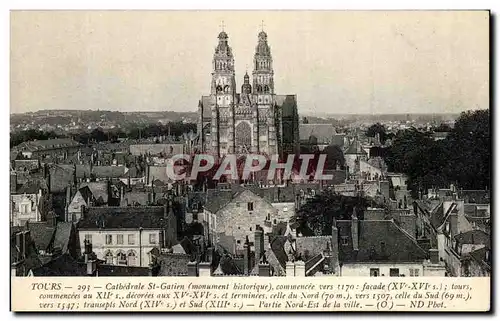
x=223 y=92
x=263 y=74
x=256 y=119
x=223 y=79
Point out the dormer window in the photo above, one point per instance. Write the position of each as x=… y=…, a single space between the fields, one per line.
x=250 y=206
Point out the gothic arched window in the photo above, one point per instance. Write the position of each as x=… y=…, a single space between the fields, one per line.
x=131 y=258
x=109 y=257
x=226 y=89
x=219 y=89
x=259 y=88
x=122 y=258
x=266 y=89
x=243 y=136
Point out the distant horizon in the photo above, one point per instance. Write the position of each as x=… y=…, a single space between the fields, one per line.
x=194 y=111
x=339 y=62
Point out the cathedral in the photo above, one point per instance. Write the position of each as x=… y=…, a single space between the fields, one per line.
x=256 y=120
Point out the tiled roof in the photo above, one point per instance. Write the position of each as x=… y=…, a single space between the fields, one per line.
x=33 y=186
x=380 y=240
x=355 y=149
x=64 y=265
x=42 y=234
x=133 y=217
x=217 y=199
x=62 y=235
x=323 y=133
x=98 y=189
x=474 y=237
x=36 y=145
x=109 y=171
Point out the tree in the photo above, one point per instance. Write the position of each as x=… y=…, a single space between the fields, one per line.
x=463 y=158
x=317 y=213
x=470 y=143
x=334 y=157
x=375 y=129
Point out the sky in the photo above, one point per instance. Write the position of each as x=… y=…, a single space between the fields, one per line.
x=339 y=62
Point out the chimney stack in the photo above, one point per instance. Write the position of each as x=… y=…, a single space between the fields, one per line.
x=192 y=268
x=21 y=243
x=264 y=268
x=453 y=224
x=334 y=254
x=434 y=256
x=13 y=182
x=290 y=269
x=258 y=245
x=354 y=230
x=246 y=257
x=300 y=268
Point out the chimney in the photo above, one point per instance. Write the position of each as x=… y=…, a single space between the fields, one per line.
x=258 y=244
x=453 y=224
x=434 y=256
x=52 y=219
x=68 y=201
x=122 y=192
x=204 y=269
x=246 y=258
x=192 y=268
x=82 y=211
x=13 y=182
x=20 y=244
x=290 y=269
x=354 y=230
x=300 y=268
x=264 y=268
x=334 y=255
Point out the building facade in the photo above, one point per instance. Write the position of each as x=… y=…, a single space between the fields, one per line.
x=256 y=120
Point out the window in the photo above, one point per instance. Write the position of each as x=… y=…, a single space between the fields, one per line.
x=382 y=248
x=238 y=242
x=250 y=206
x=109 y=257
x=152 y=238
x=414 y=272
x=24 y=208
x=344 y=240
x=374 y=272
x=250 y=229
x=237 y=204
x=119 y=239
x=109 y=239
x=394 y=272
x=88 y=238
x=122 y=258
x=131 y=258
x=131 y=239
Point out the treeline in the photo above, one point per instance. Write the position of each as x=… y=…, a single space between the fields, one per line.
x=175 y=129
x=463 y=158
x=31 y=134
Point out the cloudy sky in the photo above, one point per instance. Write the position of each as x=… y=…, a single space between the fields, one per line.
x=334 y=61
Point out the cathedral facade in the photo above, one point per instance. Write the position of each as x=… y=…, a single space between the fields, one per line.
x=255 y=120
